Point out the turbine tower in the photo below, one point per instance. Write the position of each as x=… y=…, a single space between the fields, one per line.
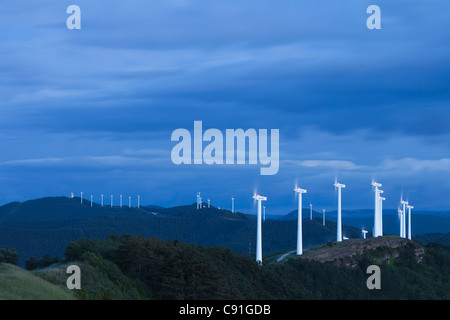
x=232 y=204
x=209 y=203
x=102 y=199
x=129 y=201
x=339 y=217
x=259 y=229
x=310 y=211
x=409 y=207
x=264 y=213
x=71 y=195
x=198 y=201
x=299 y=221
x=376 y=219
x=81 y=197
x=380 y=218
x=92 y=197
x=139 y=201
x=112 y=200
x=121 y=201
x=403 y=220
x=400 y=213
x=323 y=217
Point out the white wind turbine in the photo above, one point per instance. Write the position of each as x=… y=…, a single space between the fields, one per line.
x=310 y=211
x=323 y=217
x=403 y=220
x=232 y=204
x=409 y=207
x=259 y=229
x=376 y=219
x=400 y=213
x=112 y=200
x=339 y=217
x=92 y=197
x=264 y=213
x=121 y=201
x=71 y=195
x=129 y=201
x=102 y=199
x=300 y=192
x=381 y=214
x=364 y=232
x=209 y=203
x=139 y=201
x=81 y=197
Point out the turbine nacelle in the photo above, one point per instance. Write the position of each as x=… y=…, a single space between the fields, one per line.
x=259 y=198
x=299 y=190
x=339 y=185
x=376 y=184
x=409 y=207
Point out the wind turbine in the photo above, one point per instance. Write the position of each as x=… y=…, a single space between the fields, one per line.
x=102 y=199
x=121 y=201
x=92 y=197
x=259 y=229
x=129 y=201
x=380 y=220
x=299 y=221
x=112 y=200
x=232 y=204
x=264 y=213
x=310 y=211
x=403 y=222
x=209 y=203
x=198 y=200
x=339 y=217
x=323 y=214
x=81 y=197
x=400 y=213
x=409 y=207
x=71 y=195
x=139 y=201
x=376 y=225
x=364 y=232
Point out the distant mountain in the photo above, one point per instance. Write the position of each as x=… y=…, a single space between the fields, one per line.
x=47 y=225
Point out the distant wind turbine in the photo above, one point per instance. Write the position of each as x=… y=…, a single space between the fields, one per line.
x=299 y=221
x=376 y=219
x=339 y=217
x=91 y=200
x=409 y=207
x=323 y=218
x=259 y=229
x=81 y=197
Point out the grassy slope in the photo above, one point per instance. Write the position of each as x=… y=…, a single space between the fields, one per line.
x=19 y=284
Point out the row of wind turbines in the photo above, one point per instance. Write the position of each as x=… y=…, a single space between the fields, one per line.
x=111 y=201
x=378 y=218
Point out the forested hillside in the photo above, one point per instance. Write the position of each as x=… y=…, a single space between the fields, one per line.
x=138 y=268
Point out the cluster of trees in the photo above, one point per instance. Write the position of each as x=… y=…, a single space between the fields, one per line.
x=149 y=268
x=8 y=255
x=138 y=268
x=33 y=263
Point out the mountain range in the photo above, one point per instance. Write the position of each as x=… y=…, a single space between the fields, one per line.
x=48 y=225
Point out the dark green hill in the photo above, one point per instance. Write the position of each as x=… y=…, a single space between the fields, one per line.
x=19 y=284
x=129 y=267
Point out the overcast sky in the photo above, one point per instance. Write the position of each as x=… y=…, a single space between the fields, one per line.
x=93 y=110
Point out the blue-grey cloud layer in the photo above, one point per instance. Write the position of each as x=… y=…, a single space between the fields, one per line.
x=94 y=109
